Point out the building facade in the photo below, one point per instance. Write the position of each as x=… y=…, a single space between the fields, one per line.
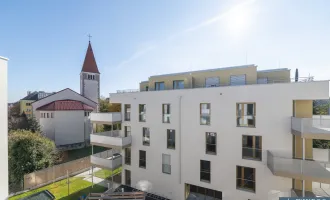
x=4 y=189
x=230 y=133
x=26 y=102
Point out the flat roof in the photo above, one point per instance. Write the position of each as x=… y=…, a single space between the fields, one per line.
x=3 y=58
x=274 y=70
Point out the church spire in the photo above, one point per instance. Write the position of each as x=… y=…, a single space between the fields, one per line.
x=90 y=63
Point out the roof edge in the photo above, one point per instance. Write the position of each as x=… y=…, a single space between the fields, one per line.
x=4 y=58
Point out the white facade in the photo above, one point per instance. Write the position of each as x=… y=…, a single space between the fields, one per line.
x=274 y=105
x=3 y=128
x=66 y=127
x=90 y=85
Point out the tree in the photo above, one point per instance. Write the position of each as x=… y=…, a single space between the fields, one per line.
x=33 y=125
x=104 y=105
x=321 y=108
x=15 y=110
x=27 y=153
x=19 y=122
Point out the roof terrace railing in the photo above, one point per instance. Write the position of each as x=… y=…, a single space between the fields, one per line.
x=259 y=82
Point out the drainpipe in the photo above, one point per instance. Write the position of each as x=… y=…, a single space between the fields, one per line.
x=303 y=158
x=180 y=161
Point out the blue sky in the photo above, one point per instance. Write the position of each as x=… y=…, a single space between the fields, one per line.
x=46 y=41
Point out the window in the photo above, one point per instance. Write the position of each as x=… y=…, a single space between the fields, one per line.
x=170 y=138
x=205 y=114
x=86 y=114
x=204 y=193
x=205 y=174
x=166 y=166
x=127 y=109
x=178 y=84
x=127 y=156
x=146 y=136
x=127 y=177
x=127 y=131
x=47 y=115
x=166 y=113
x=142 y=112
x=52 y=115
x=28 y=104
x=159 y=86
x=245 y=114
x=211 y=143
x=252 y=147
x=143 y=159
x=245 y=178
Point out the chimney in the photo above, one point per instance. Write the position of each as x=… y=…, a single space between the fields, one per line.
x=28 y=92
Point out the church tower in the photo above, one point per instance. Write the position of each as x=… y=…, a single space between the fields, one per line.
x=90 y=77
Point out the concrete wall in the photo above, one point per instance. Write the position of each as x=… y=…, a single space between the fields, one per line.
x=69 y=127
x=273 y=122
x=47 y=125
x=321 y=154
x=275 y=76
x=3 y=128
x=91 y=89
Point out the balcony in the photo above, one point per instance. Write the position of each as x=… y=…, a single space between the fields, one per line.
x=281 y=164
x=110 y=159
x=317 y=127
x=111 y=139
x=106 y=118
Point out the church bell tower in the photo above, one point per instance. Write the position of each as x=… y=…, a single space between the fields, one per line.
x=90 y=77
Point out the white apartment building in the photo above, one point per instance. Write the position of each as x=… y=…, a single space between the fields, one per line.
x=3 y=128
x=231 y=133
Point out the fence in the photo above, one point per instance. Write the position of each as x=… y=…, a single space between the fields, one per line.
x=55 y=173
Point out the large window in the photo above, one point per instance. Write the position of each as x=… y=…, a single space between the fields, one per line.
x=127 y=177
x=170 y=138
x=128 y=156
x=127 y=131
x=245 y=114
x=142 y=159
x=127 y=109
x=205 y=114
x=205 y=173
x=179 y=84
x=252 y=147
x=145 y=136
x=211 y=143
x=166 y=113
x=159 y=86
x=166 y=166
x=245 y=178
x=142 y=112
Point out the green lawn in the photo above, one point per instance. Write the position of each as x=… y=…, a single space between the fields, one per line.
x=104 y=173
x=78 y=187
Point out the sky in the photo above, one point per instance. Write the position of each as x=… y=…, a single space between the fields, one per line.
x=46 y=41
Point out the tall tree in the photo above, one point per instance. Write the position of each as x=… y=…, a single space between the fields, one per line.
x=33 y=125
x=28 y=152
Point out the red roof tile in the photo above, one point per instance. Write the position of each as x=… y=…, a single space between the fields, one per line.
x=90 y=63
x=66 y=105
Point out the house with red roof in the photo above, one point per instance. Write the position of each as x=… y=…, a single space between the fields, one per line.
x=64 y=115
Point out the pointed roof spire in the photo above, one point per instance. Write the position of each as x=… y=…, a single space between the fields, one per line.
x=90 y=63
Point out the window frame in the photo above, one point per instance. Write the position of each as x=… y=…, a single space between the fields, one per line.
x=142 y=112
x=239 y=115
x=127 y=115
x=168 y=134
x=200 y=114
x=254 y=149
x=158 y=84
x=206 y=143
x=169 y=113
x=145 y=134
x=175 y=83
x=143 y=160
x=128 y=157
x=168 y=165
x=243 y=178
x=126 y=131
x=204 y=171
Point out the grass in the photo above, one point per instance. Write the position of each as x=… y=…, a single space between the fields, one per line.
x=104 y=173
x=78 y=188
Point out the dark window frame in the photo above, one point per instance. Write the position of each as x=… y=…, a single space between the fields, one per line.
x=208 y=144
x=142 y=112
x=250 y=117
x=143 y=161
x=170 y=141
x=127 y=115
x=205 y=172
x=168 y=113
x=254 y=151
x=128 y=154
x=242 y=180
x=145 y=134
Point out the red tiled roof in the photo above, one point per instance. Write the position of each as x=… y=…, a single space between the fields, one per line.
x=90 y=63
x=66 y=105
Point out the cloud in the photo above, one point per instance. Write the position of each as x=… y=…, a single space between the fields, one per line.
x=205 y=23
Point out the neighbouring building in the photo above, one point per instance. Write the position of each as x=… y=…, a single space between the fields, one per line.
x=233 y=133
x=26 y=102
x=4 y=189
x=64 y=115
